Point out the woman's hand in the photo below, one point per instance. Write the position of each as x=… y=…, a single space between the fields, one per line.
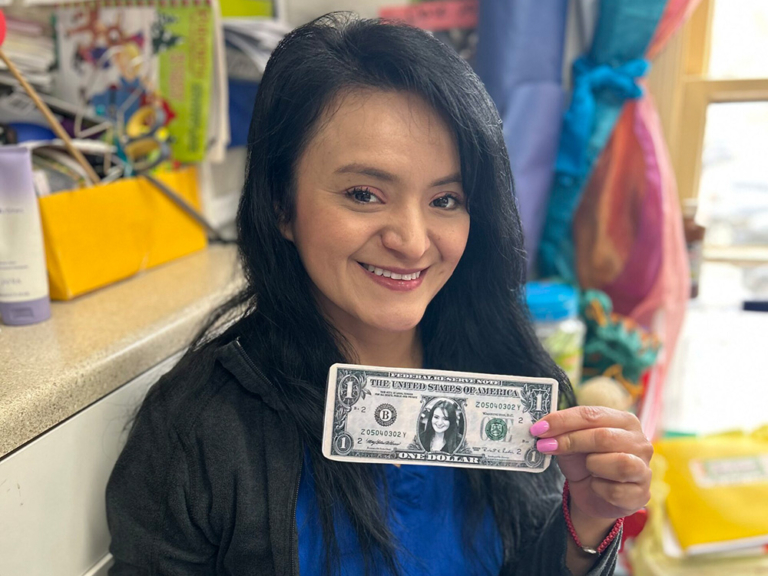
x=604 y=455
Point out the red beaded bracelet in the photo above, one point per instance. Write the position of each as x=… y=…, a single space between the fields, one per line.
x=604 y=544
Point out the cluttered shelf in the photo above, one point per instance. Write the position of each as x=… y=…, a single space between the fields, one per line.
x=116 y=157
x=100 y=341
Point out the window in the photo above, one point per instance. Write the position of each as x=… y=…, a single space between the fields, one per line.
x=711 y=87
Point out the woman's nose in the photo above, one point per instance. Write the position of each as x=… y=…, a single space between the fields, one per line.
x=407 y=233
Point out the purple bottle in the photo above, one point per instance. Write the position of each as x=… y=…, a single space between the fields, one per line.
x=23 y=278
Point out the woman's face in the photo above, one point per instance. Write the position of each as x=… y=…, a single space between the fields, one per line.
x=440 y=422
x=380 y=218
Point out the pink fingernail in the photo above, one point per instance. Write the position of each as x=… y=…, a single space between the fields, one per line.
x=546 y=445
x=539 y=428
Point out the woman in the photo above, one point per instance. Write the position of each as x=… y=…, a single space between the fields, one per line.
x=441 y=433
x=377 y=226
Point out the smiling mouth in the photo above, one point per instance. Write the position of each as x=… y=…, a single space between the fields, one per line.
x=390 y=274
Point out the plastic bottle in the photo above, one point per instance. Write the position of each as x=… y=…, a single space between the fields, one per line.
x=554 y=308
x=23 y=277
x=694 y=242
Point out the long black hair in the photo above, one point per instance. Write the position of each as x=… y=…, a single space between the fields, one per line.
x=478 y=321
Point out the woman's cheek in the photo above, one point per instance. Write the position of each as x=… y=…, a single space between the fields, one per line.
x=452 y=244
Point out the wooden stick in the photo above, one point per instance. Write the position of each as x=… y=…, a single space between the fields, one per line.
x=54 y=123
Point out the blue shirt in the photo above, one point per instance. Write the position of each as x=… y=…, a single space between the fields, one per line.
x=425 y=517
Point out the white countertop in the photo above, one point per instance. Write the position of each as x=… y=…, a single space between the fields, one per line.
x=92 y=345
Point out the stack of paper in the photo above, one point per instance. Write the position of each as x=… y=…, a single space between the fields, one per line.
x=29 y=45
x=250 y=43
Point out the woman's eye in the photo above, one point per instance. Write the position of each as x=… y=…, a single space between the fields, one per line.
x=448 y=202
x=363 y=196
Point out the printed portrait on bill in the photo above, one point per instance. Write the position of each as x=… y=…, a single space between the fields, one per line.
x=441 y=425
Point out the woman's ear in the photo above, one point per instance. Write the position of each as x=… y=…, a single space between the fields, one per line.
x=286 y=230
x=284 y=224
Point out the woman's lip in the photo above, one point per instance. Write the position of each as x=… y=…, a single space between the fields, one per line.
x=396 y=285
x=400 y=271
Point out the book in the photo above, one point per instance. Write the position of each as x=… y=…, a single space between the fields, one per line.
x=718 y=490
x=118 y=58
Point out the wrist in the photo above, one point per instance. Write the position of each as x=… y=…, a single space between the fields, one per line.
x=592 y=535
x=592 y=531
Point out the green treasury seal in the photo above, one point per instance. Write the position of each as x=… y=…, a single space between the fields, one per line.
x=496 y=429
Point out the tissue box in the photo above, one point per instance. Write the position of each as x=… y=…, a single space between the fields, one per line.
x=102 y=234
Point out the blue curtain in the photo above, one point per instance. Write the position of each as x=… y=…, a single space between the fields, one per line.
x=520 y=60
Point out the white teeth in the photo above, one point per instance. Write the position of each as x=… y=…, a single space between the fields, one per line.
x=393 y=275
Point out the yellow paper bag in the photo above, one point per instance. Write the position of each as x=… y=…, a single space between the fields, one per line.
x=98 y=235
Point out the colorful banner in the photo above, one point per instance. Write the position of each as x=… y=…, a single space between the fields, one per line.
x=436 y=16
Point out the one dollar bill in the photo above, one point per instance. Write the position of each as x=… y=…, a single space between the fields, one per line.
x=435 y=417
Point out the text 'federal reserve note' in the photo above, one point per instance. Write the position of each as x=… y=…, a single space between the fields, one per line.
x=435 y=417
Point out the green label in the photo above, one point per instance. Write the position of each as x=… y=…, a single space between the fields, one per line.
x=183 y=38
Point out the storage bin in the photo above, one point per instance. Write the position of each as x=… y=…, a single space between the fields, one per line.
x=102 y=234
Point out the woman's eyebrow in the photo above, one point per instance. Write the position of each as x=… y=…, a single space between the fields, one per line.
x=452 y=179
x=385 y=176
x=366 y=170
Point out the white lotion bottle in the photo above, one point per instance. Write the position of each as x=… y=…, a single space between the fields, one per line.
x=24 y=295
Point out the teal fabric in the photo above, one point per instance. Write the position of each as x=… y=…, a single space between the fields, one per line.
x=603 y=80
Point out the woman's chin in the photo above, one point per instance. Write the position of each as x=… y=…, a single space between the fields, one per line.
x=395 y=323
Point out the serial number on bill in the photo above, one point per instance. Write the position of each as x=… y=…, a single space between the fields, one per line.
x=496 y=405
x=373 y=432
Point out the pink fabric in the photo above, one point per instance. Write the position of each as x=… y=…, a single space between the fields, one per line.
x=671 y=289
x=628 y=230
x=676 y=12
x=669 y=295
x=644 y=261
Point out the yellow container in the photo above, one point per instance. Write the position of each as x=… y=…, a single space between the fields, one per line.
x=102 y=234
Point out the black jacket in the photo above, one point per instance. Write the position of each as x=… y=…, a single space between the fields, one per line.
x=208 y=481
